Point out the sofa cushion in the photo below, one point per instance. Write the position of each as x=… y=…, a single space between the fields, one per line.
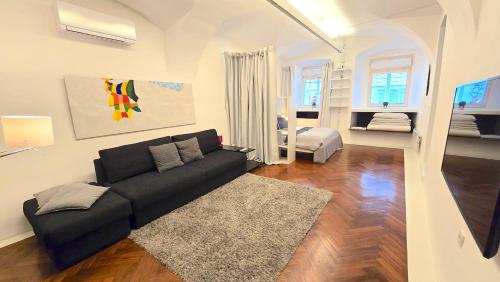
x=220 y=161
x=189 y=150
x=207 y=139
x=166 y=156
x=147 y=188
x=44 y=196
x=55 y=229
x=130 y=160
x=75 y=196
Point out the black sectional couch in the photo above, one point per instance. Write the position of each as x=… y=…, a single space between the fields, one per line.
x=139 y=194
x=131 y=172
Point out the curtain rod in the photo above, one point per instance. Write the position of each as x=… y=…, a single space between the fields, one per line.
x=284 y=11
x=244 y=53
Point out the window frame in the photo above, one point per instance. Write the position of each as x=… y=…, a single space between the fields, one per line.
x=303 y=85
x=407 y=69
x=477 y=106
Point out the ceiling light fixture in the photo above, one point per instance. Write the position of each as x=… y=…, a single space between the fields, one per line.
x=289 y=14
x=326 y=15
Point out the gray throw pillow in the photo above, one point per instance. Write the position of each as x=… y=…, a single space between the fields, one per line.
x=166 y=156
x=43 y=197
x=282 y=122
x=74 y=196
x=189 y=150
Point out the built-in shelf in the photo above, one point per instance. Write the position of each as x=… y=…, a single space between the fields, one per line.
x=486 y=137
x=491 y=136
x=487 y=121
x=340 y=85
x=357 y=128
x=361 y=117
x=339 y=101
x=384 y=131
x=477 y=111
x=382 y=110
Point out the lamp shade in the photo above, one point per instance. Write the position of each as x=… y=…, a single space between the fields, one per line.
x=27 y=131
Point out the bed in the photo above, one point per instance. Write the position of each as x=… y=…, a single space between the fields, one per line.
x=321 y=143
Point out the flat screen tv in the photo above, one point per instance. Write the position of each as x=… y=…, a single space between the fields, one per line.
x=471 y=162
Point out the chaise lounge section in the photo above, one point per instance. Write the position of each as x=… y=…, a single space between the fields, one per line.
x=72 y=235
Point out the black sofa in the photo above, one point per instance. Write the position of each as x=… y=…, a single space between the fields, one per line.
x=130 y=171
x=139 y=194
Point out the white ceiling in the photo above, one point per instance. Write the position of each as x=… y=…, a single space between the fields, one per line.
x=256 y=23
x=249 y=23
x=364 y=15
x=363 y=11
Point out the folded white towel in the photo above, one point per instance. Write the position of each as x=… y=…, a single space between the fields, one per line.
x=464 y=125
x=389 y=119
x=462 y=117
x=464 y=133
x=391 y=115
x=391 y=122
x=463 y=122
x=396 y=128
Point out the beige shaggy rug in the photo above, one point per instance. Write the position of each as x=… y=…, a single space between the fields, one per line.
x=246 y=230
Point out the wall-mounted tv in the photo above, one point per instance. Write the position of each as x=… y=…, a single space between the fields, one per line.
x=471 y=162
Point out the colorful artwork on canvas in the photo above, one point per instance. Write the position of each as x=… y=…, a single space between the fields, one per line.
x=107 y=106
x=120 y=95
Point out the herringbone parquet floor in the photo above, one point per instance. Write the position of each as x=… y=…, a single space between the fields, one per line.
x=359 y=236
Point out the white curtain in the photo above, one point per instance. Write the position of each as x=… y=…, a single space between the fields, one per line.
x=251 y=102
x=326 y=76
x=286 y=88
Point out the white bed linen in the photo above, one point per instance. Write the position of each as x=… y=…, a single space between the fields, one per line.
x=315 y=137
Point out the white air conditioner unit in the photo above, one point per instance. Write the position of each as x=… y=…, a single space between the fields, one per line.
x=83 y=21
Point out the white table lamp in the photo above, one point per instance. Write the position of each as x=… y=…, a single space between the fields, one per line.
x=26 y=132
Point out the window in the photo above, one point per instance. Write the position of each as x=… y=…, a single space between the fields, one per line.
x=311 y=79
x=474 y=94
x=389 y=87
x=312 y=91
x=389 y=81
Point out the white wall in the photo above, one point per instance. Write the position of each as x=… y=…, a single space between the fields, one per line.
x=470 y=53
x=35 y=57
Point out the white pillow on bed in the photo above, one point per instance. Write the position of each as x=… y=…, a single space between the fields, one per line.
x=391 y=115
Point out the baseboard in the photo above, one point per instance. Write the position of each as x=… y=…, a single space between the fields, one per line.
x=16 y=239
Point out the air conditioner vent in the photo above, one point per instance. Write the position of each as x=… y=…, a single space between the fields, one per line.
x=82 y=21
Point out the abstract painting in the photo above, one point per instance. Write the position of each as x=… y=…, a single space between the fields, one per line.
x=119 y=98
x=108 y=106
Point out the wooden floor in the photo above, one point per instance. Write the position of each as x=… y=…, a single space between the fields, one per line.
x=359 y=236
